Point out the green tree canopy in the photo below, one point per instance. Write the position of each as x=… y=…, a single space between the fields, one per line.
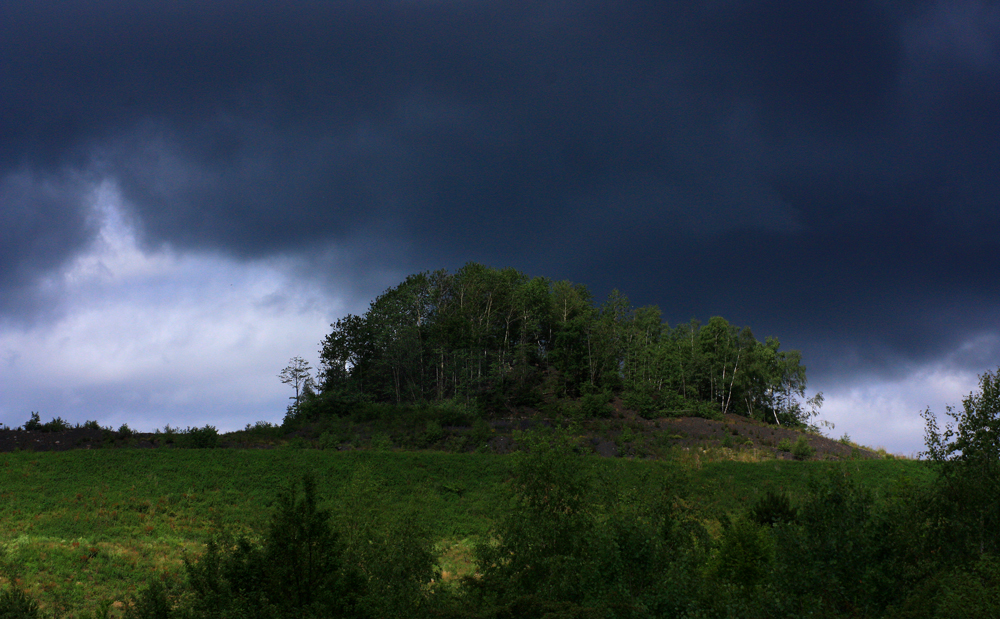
x=504 y=339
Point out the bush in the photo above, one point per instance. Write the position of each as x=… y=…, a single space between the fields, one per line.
x=745 y=553
x=454 y=413
x=263 y=429
x=380 y=442
x=202 y=438
x=802 y=450
x=169 y=434
x=772 y=508
x=966 y=456
x=152 y=603
x=641 y=402
x=328 y=440
x=16 y=604
x=297 y=572
x=596 y=405
x=784 y=445
x=957 y=592
x=567 y=544
x=393 y=551
x=34 y=424
x=433 y=433
x=544 y=539
x=845 y=550
x=302 y=555
x=480 y=435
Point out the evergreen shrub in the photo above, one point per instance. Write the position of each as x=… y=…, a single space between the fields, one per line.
x=16 y=604
x=772 y=508
x=201 y=438
x=296 y=572
x=597 y=405
x=745 y=553
x=802 y=450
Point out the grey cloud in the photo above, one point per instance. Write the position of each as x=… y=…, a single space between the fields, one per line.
x=45 y=219
x=823 y=172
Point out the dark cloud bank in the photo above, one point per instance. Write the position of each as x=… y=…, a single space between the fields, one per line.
x=824 y=172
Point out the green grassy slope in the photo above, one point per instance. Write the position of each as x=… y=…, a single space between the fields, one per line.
x=81 y=527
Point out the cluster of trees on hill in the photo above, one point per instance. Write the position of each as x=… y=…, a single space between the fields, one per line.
x=503 y=339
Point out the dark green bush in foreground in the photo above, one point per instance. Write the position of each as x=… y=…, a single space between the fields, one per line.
x=562 y=548
x=298 y=571
x=773 y=508
x=16 y=604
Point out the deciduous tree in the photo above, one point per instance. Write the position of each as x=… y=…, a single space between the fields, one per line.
x=297 y=375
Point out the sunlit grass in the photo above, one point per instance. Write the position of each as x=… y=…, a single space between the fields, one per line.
x=456 y=559
x=70 y=576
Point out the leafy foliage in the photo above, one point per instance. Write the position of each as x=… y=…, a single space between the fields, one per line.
x=34 y=424
x=613 y=538
x=16 y=604
x=296 y=374
x=502 y=339
x=845 y=550
x=801 y=449
x=390 y=547
x=745 y=554
x=773 y=508
x=965 y=591
x=543 y=544
x=202 y=438
x=563 y=542
x=297 y=571
x=966 y=455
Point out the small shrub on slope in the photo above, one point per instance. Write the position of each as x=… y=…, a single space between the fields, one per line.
x=802 y=450
x=15 y=604
x=772 y=508
x=745 y=554
x=296 y=573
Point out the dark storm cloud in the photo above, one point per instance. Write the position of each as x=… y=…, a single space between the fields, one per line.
x=43 y=222
x=820 y=171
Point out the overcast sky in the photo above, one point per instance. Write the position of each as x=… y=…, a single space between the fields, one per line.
x=191 y=192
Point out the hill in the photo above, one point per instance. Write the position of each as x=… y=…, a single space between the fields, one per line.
x=624 y=433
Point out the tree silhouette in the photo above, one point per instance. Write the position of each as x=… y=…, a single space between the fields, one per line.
x=297 y=375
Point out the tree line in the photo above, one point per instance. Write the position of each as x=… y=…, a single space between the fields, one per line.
x=504 y=340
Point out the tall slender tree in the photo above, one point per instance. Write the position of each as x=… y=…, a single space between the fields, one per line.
x=297 y=375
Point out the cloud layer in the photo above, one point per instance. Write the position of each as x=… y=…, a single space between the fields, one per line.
x=151 y=338
x=825 y=174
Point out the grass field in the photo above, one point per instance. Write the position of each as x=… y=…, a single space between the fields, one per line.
x=86 y=527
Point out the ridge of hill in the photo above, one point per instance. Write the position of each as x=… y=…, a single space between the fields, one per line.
x=623 y=434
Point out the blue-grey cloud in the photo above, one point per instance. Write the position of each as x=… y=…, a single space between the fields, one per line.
x=824 y=173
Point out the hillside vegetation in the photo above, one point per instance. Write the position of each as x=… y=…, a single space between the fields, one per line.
x=487 y=446
x=87 y=527
x=499 y=340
